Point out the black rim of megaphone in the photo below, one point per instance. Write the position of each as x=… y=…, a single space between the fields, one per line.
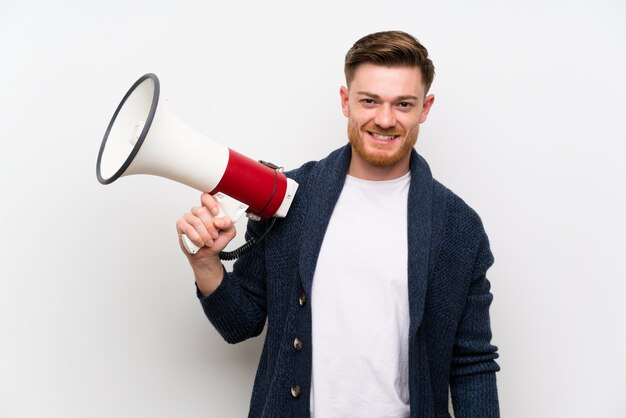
x=144 y=132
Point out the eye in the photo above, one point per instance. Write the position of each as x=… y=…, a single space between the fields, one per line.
x=405 y=105
x=367 y=101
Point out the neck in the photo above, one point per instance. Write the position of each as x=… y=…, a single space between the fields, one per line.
x=363 y=170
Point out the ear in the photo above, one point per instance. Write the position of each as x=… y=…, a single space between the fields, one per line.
x=343 y=92
x=428 y=103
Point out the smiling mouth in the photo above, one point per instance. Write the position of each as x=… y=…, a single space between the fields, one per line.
x=382 y=137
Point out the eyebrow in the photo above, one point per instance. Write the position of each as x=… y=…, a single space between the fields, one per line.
x=377 y=97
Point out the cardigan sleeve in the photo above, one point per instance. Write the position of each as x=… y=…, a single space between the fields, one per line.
x=473 y=381
x=237 y=307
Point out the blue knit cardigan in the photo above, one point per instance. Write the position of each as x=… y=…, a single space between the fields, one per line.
x=449 y=298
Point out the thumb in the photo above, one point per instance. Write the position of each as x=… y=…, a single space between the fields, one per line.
x=224 y=224
x=226 y=231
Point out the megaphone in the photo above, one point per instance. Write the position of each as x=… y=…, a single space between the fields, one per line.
x=145 y=137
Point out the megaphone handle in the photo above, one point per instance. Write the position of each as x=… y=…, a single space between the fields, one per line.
x=234 y=209
x=189 y=246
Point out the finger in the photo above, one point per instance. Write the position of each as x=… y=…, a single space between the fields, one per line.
x=191 y=233
x=227 y=231
x=199 y=229
x=180 y=224
x=210 y=202
x=206 y=218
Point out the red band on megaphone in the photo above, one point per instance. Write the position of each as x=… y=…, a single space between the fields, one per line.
x=258 y=186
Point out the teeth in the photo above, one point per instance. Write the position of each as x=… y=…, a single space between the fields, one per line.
x=382 y=137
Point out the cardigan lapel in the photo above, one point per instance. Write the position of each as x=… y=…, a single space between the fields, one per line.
x=419 y=226
x=323 y=192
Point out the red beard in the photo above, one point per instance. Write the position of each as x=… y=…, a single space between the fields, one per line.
x=381 y=158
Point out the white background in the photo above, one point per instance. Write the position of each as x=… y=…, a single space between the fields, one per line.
x=98 y=316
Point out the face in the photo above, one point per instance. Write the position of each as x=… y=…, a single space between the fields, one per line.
x=384 y=107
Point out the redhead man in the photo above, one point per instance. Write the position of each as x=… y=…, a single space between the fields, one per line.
x=374 y=286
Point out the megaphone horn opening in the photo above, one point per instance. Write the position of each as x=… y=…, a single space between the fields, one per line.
x=131 y=130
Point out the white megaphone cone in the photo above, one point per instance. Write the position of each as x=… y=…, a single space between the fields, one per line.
x=145 y=137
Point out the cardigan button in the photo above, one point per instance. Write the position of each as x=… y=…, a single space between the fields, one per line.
x=302 y=299
x=295 y=391
x=297 y=344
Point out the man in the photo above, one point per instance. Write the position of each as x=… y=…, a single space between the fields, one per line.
x=374 y=285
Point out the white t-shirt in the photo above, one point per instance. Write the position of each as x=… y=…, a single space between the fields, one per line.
x=359 y=304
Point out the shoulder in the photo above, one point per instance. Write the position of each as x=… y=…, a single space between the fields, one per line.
x=336 y=158
x=302 y=173
x=455 y=208
x=315 y=176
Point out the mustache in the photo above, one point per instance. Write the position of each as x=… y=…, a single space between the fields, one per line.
x=381 y=131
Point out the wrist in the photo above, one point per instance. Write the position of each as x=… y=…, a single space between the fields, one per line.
x=208 y=276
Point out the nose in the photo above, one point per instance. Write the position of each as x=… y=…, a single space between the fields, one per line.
x=385 y=117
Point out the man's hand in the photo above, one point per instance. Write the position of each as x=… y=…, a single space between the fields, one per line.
x=213 y=234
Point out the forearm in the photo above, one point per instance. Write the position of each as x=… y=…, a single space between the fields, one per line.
x=208 y=276
x=236 y=303
x=473 y=352
x=235 y=312
x=472 y=375
x=475 y=396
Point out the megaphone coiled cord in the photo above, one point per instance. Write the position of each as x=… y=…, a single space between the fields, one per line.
x=238 y=252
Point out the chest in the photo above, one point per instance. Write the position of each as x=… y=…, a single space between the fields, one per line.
x=364 y=251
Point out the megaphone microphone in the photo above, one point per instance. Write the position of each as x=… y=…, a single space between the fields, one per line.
x=145 y=137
